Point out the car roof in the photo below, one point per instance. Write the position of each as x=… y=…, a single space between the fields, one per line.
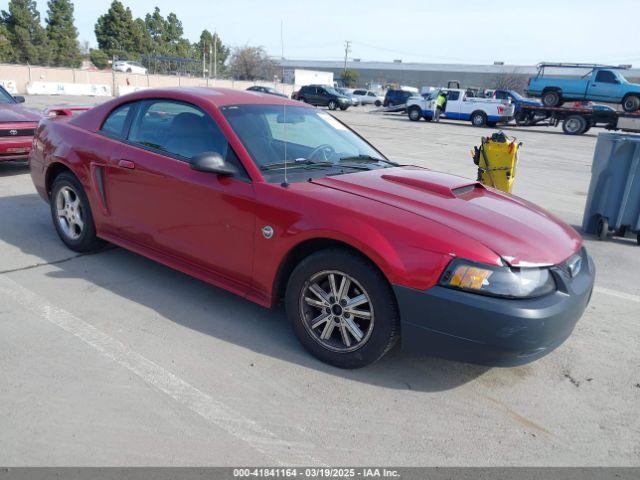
x=216 y=97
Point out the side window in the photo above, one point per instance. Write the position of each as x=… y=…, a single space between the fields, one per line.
x=605 y=76
x=115 y=122
x=501 y=95
x=371 y=94
x=176 y=128
x=453 y=95
x=358 y=92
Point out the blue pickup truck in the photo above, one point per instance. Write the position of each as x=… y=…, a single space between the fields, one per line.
x=601 y=83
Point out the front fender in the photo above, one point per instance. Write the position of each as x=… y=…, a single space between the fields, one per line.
x=397 y=247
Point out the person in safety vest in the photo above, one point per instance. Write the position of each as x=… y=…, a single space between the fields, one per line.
x=441 y=102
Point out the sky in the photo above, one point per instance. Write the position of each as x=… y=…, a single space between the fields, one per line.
x=465 y=31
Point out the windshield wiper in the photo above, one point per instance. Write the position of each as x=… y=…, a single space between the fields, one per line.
x=298 y=162
x=366 y=158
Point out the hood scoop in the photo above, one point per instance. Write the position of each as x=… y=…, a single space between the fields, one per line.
x=446 y=189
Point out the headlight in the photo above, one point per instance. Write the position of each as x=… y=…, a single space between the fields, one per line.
x=498 y=281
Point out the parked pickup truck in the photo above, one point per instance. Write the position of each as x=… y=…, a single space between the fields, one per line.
x=462 y=106
x=601 y=83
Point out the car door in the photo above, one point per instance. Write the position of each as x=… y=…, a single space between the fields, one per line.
x=159 y=203
x=453 y=107
x=605 y=86
x=322 y=98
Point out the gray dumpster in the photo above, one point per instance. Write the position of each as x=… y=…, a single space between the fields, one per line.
x=613 y=203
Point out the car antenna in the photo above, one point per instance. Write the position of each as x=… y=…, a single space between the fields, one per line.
x=285 y=183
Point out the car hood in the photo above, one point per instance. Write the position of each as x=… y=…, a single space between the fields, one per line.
x=10 y=112
x=522 y=234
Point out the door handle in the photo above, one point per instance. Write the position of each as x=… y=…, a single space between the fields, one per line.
x=126 y=164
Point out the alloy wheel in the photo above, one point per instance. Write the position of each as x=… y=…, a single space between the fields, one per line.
x=69 y=212
x=336 y=311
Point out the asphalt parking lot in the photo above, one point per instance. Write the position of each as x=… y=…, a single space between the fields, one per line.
x=112 y=359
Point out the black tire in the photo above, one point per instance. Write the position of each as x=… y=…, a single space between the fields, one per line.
x=86 y=241
x=631 y=103
x=129 y=70
x=378 y=103
x=551 y=98
x=638 y=239
x=479 y=119
x=603 y=228
x=378 y=337
x=415 y=114
x=574 y=125
x=621 y=232
x=332 y=105
x=343 y=108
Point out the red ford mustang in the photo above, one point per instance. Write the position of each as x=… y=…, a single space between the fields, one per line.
x=17 y=125
x=273 y=200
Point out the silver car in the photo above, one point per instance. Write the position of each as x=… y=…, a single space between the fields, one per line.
x=368 y=97
x=347 y=93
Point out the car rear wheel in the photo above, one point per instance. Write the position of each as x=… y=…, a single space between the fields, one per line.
x=574 y=125
x=631 y=103
x=378 y=103
x=478 y=119
x=551 y=98
x=71 y=214
x=342 y=309
x=415 y=114
x=332 y=105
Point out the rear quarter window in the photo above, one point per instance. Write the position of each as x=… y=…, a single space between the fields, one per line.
x=115 y=123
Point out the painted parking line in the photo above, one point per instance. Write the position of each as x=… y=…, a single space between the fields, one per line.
x=617 y=294
x=163 y=380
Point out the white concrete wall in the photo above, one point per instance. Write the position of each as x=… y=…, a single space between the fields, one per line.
x=67 y=81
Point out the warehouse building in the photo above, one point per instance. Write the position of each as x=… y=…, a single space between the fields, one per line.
x=436 y=74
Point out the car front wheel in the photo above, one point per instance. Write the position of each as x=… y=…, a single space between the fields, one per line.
x=342 y=309
x=332 y=105
x=71 y=214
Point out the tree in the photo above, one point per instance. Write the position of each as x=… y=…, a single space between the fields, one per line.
x=512 y=80
x=99 y=58
x=62 y=35
x=350 y=78
x=117 y=33
x=6 y=49
x=251 y=63
x=205 y=46
x=26 y=34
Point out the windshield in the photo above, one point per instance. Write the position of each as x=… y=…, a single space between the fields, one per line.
x=308 y=139
x=5 y=97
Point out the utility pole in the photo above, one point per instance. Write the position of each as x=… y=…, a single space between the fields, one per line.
x=347 y=50
x=204 y=55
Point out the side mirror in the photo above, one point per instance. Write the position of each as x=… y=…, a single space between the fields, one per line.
x=19 y=98
x=212 y=162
